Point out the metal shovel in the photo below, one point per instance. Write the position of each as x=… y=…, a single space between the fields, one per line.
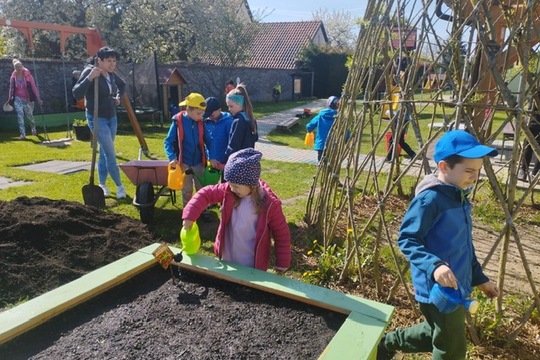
x=92 y=194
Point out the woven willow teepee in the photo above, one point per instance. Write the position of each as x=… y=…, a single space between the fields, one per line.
x=441 y=64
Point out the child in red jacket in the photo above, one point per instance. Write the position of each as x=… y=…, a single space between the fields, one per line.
x=251 y=215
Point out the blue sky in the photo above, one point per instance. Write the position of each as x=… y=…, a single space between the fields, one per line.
x=299 y=10
x=302 y=10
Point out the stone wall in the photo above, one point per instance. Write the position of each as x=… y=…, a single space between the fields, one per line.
x=49 y=75
x=54 y=78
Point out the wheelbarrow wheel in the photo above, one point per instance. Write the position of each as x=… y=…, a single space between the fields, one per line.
x=145 y=198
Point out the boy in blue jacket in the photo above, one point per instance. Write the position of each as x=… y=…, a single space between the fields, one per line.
x=217 y=126
x=323 y=122
x=185 y=142
x=436 y=237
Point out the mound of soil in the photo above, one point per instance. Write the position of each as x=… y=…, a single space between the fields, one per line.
x=46 y=243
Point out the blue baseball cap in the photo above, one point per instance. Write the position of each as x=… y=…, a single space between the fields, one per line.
x=459 y=142
x=212 y=104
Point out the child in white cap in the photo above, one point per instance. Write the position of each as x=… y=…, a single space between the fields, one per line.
x=323 y=123
x=251 y=215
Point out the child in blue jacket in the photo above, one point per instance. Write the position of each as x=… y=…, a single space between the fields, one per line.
x=185 y=143
x=217 y=126
x=323 y=122
x=436 y=237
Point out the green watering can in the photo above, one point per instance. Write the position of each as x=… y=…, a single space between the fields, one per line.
x=210 y=175
x=190 y=239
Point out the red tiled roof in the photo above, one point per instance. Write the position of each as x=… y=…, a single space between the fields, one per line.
x=278 y=44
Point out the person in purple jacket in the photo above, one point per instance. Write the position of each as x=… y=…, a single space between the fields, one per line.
x=22 y=93
x=251 y=215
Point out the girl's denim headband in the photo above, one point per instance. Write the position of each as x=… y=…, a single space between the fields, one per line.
x=239 y=99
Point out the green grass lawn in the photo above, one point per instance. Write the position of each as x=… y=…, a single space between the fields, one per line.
x=167 y=216
x=428 y=114
x=68 y=187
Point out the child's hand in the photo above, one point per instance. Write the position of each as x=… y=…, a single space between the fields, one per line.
x=445 y=277
x=187 y=224
x=489 y=289
x=216 y=164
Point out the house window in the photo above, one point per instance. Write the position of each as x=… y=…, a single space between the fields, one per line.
x=298 y=87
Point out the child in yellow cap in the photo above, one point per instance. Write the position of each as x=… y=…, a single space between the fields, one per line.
x=185 y=143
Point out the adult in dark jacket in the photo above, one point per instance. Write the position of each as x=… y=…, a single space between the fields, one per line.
x=111 y=88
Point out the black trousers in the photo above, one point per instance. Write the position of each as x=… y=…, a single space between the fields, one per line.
x=410 y=152
x=528 y=151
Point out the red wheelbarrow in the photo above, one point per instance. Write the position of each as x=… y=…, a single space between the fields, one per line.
x=150 y=177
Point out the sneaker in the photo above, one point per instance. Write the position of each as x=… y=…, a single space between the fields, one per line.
x=34 y=132
x=106 y=192
x=22 y=137
x=522 y=176
x=121 y=192
x=383 y=353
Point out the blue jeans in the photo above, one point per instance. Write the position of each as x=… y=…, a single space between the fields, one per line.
x=107 y=154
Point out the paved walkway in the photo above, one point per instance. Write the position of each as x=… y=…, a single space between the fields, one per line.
x=284 y=153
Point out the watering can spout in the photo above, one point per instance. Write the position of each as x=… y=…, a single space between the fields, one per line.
x=471 y=305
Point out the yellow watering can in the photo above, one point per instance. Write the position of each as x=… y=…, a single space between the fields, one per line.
x=309 y=140
x=190 y=239
x=175 y=178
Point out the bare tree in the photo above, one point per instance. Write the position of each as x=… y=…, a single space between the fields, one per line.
x=340 y=28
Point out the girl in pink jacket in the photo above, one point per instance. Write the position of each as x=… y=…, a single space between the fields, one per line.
x=251 y=215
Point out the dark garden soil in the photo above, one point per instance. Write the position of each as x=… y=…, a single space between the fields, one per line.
x=45 y=243
x=199 y=317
